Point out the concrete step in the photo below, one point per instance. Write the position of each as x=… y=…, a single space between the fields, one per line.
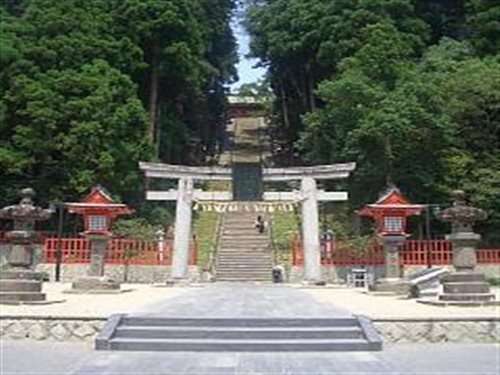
x=175 y=332
x=226 y=345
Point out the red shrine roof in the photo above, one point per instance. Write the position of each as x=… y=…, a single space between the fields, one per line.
x=392 y=201
x=98 y=200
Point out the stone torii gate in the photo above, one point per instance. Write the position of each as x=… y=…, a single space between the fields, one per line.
x=308 y=195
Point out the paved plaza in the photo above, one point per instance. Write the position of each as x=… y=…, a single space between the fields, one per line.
x=23 y=357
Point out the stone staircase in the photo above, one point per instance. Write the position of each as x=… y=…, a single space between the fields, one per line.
x=137 y=333
x=243 y=253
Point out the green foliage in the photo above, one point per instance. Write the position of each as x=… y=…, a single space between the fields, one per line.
x=205 y=227
x=407 y=89
x=137 y=228
x=76 y=93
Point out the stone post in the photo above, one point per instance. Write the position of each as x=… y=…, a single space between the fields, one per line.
x=392 y=281
x=182 y=237
x=98 y=246
x=95 y=281
x=310 y=231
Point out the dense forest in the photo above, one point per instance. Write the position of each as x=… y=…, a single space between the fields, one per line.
x=89 y=88
x=409 y=89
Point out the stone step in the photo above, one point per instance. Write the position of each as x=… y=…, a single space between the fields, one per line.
x=21 y=296
x=132 y=320
x=244 y=275
x=250 y=253
x=467 y=297
x=21 y=275
x=245 y=345
x=470 y=287
x=262 y=265
x=246 y=237
x=244 y=245
x=458 y=277
x=208 y=332
x=20 y=286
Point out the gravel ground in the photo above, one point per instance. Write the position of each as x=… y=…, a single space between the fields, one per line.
x=94 y=305
x=144 y=295
x=360 y=302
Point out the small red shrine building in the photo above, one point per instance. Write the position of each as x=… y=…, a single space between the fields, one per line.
x=391 y=211
x=99 y=211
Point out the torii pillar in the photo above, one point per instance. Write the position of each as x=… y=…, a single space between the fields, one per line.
x=310 y=230
x=182 y=237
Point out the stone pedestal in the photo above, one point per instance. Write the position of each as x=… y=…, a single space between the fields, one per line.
x=19 y=283
x=95 y=281
x=392 y=281
x=464 y=250
x=465 y=286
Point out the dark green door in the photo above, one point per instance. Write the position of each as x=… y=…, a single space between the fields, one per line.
x=247 y=182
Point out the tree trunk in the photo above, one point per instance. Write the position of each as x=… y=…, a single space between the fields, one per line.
x=153 y=93
x=284 y=106
x=310 y=88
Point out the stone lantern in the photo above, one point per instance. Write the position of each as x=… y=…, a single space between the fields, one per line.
x=99 y=211
x=390 y=213
x=18 y=282
x=465 y=285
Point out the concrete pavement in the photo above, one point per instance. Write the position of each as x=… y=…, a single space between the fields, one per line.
x=30 y=358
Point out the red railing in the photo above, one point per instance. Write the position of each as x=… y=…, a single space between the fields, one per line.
x=412 y=252
x=426 y=252
x=119 y=251
x=485 y=256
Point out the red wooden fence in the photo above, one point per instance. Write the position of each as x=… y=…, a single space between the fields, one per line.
x=412 y=252
x=119 y=251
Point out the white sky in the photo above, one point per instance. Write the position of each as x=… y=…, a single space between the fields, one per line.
x=246 y=71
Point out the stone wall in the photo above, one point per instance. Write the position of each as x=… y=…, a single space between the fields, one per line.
x=130 y=274
x=393 y=331
x=52 y=329
x=439 y=331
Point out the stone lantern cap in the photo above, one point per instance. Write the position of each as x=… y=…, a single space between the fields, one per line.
x=25 y=213
x=461 y=215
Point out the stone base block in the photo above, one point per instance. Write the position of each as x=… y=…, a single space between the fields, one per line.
x=20 y=286
x=464 y=277
x=464 y=297
x=437 y=302
x=91 y=284
x=21 y=275
x=394 y=286
x=9 y=297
